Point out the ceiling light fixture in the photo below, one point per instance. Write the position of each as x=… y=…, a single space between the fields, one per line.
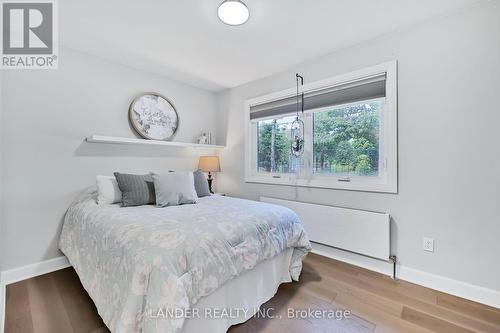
x=233 y=12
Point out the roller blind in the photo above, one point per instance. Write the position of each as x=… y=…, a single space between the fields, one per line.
x=354 y=91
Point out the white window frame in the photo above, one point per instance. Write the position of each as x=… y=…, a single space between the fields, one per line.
x=387 y=181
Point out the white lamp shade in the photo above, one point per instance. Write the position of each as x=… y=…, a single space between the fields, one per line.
x=209 y=164
x=233 y=12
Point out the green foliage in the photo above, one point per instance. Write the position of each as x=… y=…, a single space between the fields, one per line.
x=344 y=154
x=346 y=139
x=363 y=146
x=281 y=147
x=363 y=166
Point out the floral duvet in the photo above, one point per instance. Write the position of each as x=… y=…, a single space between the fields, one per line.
x=134 y=261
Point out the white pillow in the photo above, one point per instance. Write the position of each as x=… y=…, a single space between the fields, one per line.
x=174 y=188
x=108 y=191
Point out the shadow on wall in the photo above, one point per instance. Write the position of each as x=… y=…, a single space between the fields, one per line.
x=393 y=236
x=117 y=150
x=54 y=242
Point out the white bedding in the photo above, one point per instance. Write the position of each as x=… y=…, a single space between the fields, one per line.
x=240 y=297
x=135 y=261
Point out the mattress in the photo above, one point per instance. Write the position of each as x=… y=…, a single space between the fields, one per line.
x=138 y=261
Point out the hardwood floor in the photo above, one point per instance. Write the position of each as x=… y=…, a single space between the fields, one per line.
x=56 y=302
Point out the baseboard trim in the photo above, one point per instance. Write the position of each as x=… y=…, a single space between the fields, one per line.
x=29 y=271
x=462 y=289
x=23 y=273
x=458 y=288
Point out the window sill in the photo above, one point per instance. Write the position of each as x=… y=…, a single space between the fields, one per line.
x=332 y=184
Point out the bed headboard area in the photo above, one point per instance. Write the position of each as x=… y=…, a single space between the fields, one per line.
x=362 y=232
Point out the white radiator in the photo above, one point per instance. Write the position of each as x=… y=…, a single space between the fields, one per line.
x=358 y=231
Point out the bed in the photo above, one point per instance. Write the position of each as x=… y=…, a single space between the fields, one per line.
x=138 y=264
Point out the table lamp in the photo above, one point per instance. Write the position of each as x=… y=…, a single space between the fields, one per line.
x=209 y=164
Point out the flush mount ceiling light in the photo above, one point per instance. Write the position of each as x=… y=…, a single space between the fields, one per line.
x=233 y=12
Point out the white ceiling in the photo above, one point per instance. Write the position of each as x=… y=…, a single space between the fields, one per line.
x=184 y=39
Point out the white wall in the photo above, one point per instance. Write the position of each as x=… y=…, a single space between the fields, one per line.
x=46 y=116
x=2 y=289
x=449 y=161
x=1 y=196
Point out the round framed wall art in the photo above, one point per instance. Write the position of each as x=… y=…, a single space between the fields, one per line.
x=153 y=117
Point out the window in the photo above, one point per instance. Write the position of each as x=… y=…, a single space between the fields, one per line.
x=346 y=139
x=273 y=145
x=350 y=134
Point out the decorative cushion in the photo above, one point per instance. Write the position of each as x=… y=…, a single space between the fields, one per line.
x=108 y=191
x=137 y=190
x=201 y=184
x=174 y=188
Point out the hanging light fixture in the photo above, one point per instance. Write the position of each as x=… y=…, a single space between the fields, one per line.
x=297 y=127
x=233 y=12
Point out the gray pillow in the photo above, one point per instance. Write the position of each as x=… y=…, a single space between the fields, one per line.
x=137 y=190
x=200 y=184
x=174 y=188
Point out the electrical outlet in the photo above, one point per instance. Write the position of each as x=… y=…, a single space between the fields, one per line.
x=428 y=244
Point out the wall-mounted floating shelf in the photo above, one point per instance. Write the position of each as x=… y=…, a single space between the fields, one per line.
x=132 y=141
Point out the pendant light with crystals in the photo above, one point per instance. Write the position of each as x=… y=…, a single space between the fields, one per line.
x=297 y=126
